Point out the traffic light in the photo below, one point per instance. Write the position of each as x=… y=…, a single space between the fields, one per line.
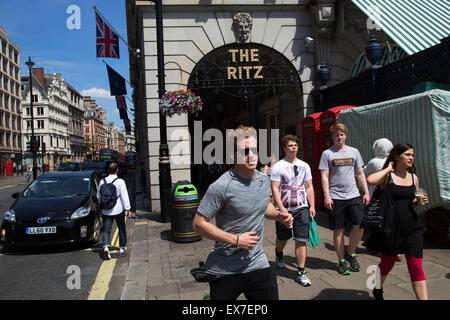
x=32 y=145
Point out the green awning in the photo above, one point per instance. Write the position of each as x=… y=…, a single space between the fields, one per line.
x=414 y=25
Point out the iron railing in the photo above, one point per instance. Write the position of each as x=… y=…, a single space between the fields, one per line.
x=391 y=81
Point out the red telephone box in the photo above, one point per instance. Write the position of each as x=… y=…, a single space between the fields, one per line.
x=9 y=168
x=311 y=151
x=327 y=119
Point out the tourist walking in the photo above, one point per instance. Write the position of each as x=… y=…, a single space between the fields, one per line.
x=114 y=201
x=292 y=190
x=339 y=165
x=406 y=236
x=239 y=201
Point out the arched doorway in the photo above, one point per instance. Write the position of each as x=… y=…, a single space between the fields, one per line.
x=249 y=84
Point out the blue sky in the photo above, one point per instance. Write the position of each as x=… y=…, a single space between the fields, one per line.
x=39 y=29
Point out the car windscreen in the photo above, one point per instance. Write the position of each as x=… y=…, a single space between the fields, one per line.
x=58 y=186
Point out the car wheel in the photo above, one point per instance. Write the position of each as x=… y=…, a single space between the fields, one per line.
x=96 y=234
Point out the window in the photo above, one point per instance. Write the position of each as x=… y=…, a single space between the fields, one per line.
x=40 y=124
x=28 y=124
x=5 y=101
x=14 y=138
x=35 y=98
x=7 y=121
x=13 y=123
x=1 y=138
x=40 y=111
x=18 y=124
x=8 y=139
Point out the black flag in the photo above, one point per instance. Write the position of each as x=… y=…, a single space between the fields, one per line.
x=116 y=82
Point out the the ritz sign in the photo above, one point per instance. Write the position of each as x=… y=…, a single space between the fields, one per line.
x=245 y=71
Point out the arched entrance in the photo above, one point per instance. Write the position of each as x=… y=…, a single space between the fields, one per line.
x=249 y=84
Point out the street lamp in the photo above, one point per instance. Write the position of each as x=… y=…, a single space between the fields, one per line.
x=30 y=65
x=324 y=76
x=165 y=180
x=373 y=54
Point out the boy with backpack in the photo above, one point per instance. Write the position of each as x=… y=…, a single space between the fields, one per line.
x=115 y=205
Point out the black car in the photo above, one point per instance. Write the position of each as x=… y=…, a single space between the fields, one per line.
x=56 y=208
x=69 y=166
x=99 y=167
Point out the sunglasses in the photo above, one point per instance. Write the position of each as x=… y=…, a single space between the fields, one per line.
x=296 y=170
x=246 y=151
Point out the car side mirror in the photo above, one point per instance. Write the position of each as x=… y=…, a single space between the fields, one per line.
x=16 y=195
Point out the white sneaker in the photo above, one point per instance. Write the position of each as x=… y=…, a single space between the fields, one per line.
x=302 y=279
x=123 y=251
x=106 y=254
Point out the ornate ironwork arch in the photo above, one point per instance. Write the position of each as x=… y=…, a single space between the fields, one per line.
x=244 y=70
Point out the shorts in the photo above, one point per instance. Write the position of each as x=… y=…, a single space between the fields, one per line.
x=302 y=220
x=346 y=211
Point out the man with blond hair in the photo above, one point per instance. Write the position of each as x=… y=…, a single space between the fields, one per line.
x=339 y=165
x=239 y=201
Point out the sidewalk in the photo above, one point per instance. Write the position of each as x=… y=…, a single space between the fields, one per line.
x=159 y=268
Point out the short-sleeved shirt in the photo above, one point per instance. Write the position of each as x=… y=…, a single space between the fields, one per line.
x=292 y=187
x=239 y=206
x=341 y=165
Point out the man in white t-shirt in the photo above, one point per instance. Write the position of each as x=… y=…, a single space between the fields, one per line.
x=292 y=188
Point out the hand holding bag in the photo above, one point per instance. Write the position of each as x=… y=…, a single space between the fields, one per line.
x=314 y=240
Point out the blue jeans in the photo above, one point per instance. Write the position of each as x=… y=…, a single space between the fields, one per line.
x=107 y=226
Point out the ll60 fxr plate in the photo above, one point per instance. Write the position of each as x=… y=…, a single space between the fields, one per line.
x=40 y=230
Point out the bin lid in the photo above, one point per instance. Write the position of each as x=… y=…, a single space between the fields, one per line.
x=185 y=190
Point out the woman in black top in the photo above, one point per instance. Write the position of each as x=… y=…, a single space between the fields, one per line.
x=406 y=236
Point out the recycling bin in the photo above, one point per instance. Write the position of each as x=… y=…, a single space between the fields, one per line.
x=185 y=202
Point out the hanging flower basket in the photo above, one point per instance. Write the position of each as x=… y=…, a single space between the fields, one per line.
x=180 y=101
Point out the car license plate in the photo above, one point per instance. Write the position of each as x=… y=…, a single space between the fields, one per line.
x=40 y=230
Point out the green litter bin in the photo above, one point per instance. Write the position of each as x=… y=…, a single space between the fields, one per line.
x=185 y=202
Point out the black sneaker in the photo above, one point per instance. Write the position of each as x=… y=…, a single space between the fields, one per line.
x=354 y=265
x=377 y=294
x=343 y=269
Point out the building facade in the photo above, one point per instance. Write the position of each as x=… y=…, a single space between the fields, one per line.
x=10 y=102
x=130 y=141
x=76 y=126
x=252 y=62
x=53 y=113
x=94 y=128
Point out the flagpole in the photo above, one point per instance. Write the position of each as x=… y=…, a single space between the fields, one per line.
x=129 y=48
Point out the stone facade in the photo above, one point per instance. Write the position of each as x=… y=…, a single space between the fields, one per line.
x=10 y=101
x=305 y=33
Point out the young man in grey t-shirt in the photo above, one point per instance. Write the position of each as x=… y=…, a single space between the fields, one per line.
x=239 y=201
x=339 y=165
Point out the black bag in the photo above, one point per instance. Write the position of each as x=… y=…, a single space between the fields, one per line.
x=378 y=214
x=200 y=274
x=108 y=195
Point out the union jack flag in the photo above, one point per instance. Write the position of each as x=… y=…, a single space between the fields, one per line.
x=107 y=40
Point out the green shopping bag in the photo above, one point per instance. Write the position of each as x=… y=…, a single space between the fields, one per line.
x=314 y=240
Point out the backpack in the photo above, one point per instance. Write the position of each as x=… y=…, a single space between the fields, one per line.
x=108 y=195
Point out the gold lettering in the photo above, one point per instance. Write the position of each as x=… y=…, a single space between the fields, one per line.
x=254 y=55
x=240 y=72
x=233 y=54
x=247 y=71
x=243 y=55
x=231 y=73
x=257 y=73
